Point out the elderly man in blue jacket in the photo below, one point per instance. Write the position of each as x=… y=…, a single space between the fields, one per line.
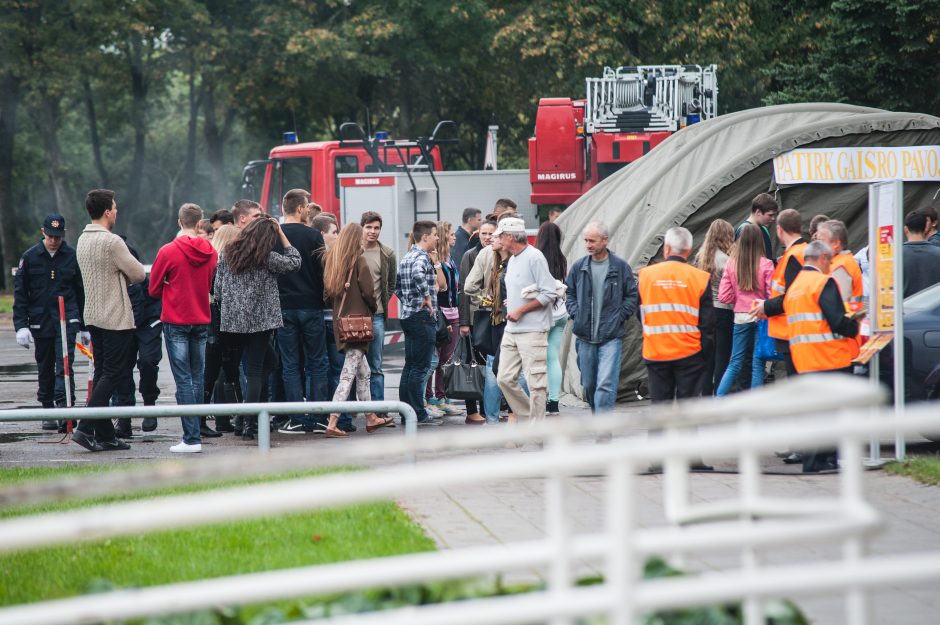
x=601 y=295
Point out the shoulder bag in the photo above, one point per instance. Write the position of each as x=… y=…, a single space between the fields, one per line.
x=353 y=328
x=463 y=376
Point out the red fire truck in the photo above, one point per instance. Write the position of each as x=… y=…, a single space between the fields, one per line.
x=627 y=112
x=317 y=165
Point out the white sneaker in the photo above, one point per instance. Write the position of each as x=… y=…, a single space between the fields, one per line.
x=434 y=411
x=186 y=448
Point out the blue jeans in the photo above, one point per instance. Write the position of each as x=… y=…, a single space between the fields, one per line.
x=305 y=366
x=600 y=371
x=186 y=350
x=491 y=393
x=742 y=346
x=419 y=330
x=374 y=358
x=554 y=358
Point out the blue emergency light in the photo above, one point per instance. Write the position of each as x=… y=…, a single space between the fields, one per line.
x=290 y=137
x=381 y=135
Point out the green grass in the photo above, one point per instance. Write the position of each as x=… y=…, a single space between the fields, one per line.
x=361 y=531
x=924 y=469
x=6 y=303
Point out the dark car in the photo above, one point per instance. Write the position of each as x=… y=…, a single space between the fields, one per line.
x=921 y=347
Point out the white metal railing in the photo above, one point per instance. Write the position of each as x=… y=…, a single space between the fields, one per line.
x=262 y=410
x=745 y=525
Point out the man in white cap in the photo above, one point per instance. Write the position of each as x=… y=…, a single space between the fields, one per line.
x=530 y=292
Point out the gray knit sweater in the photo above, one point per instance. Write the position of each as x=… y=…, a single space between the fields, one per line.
x=250 y=300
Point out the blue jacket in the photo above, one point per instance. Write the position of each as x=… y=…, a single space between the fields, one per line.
x=40 y=280
x=620 y=299
x=146 y=309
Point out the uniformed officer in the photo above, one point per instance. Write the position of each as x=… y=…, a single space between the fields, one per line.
x=46 y=271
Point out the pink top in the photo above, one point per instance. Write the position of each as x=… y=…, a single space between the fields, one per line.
x=729 y=293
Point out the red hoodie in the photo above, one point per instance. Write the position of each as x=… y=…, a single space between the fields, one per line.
x=182 y=276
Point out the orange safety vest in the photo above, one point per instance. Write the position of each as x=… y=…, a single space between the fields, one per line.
x=813 y=344
x=777 y=326
x=846 y=261
x=670 y=293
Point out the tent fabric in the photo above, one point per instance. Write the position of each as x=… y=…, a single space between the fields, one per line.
x=712 y=170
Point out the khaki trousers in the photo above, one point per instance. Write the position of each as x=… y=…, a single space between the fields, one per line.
x=528 y=352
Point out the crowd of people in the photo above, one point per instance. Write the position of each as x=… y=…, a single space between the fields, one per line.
x=253 y=310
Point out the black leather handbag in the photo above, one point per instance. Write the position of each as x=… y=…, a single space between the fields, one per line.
x=463 y=376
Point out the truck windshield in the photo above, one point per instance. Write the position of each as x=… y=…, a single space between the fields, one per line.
x=253 y=179
x=287 y=174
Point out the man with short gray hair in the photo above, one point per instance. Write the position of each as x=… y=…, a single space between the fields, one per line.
x=601 y=296
x=530 y=291
x=677 y=314
x=844 y=269
x=821 y=334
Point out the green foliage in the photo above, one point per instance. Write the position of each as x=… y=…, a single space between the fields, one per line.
x=166 y=101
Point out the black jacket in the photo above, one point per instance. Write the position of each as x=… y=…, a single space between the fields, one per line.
x=146 y=309
x=40 y=280
x=620 y=299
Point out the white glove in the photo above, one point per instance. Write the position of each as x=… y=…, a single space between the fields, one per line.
x=85 y=338
x=24 y=337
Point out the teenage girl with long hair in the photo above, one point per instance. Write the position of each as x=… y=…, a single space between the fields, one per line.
x=548 y=241
x=712 y=257
x=347 y=282
x=746 y=279
x=447 y=281
x=250 y=306
x=217 y=358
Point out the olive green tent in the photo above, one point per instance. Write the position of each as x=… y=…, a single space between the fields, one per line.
x=713 y=169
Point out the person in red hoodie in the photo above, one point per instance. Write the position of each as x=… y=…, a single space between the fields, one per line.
x=182 y=276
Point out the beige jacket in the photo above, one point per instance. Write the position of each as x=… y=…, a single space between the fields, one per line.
x=107 y=268
x=478 y=282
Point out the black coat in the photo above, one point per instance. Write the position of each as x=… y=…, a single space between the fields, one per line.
x=40 y=280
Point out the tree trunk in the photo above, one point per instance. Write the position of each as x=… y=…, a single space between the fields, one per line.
x=104 y=179
x=133 y=201
x=215 y=136
x=47 y=124
x=9 y=102
x=189 y=165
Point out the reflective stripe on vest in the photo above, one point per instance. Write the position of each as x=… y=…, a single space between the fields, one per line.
x=813 y=344
x=777 y=326
x=670 y=329
x=670 y=308
x=671 y=293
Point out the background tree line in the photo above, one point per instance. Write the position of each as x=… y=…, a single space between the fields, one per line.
x=166 y=101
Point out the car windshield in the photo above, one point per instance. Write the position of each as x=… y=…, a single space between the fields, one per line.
x=926 y=300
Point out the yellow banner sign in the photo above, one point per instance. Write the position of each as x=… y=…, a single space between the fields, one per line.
x=849 y=165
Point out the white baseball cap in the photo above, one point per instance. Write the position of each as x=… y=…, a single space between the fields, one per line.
x=510 y=224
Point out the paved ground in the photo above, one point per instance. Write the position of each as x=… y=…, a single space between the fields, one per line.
x=499 y=513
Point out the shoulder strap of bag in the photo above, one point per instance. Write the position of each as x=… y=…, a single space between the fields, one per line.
x=342 y=302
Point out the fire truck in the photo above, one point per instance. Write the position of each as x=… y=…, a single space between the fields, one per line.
x=626 y=113
x=318 y=165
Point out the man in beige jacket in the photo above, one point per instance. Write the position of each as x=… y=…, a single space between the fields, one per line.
x=107 y=268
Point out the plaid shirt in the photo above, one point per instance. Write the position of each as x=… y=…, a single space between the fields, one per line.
x=416 y=279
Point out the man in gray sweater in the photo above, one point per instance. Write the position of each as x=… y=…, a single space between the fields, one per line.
x=107 y=268
x=530 y=292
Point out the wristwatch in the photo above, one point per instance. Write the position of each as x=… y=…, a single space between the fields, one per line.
x=437 y=266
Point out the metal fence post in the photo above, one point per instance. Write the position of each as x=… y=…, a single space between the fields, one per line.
x=264 y=432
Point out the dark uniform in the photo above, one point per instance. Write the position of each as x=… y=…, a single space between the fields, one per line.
x=40 y=279
x=149 y=345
